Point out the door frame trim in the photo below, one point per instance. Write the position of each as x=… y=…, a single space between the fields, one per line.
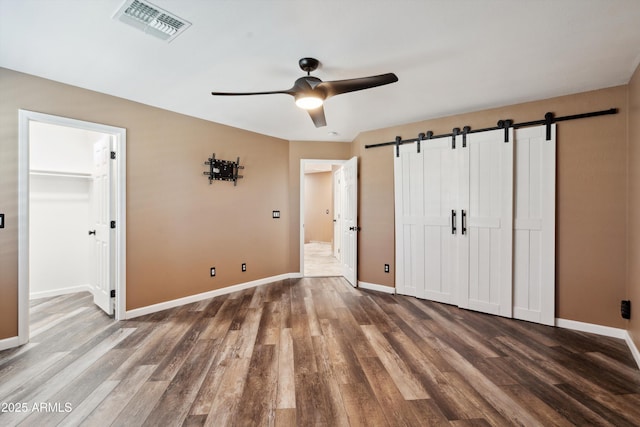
x=303 y=164
x=119 y=182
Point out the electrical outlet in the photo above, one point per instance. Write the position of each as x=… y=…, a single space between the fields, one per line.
x=213 y=271
x=1 y=220
x=625 y=309
x=244 y=266
x=276 y=214
x=386 y=268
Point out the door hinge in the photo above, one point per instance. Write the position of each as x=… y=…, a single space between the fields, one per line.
x=113 y=293
x=113 y=155
x=113 y=224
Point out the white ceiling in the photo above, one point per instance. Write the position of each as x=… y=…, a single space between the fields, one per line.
x=450 y=56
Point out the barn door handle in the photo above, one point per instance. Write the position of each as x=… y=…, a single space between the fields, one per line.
x=92 y=232
x=464 y=222
x=453 y=221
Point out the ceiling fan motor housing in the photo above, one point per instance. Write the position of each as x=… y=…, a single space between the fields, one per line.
x=308 y=64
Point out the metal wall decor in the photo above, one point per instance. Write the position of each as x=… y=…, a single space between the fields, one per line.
x=223 y=170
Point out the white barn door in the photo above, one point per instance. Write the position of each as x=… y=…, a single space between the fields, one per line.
x=459 y=239
x=487 y=223
x=409 y=196
x=425 y=191
x=534 y=226
x=101 y=218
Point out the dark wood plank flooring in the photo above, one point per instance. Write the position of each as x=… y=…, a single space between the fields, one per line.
x=311 y=352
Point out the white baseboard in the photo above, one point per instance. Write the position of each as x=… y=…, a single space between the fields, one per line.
x=633 y=348
x=592 y=328
x=130 y=314
x=61 y=291
x=602 y=330
x=9 y=343
x=375 y=287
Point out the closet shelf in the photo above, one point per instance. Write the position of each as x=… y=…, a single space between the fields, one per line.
x=82 y=175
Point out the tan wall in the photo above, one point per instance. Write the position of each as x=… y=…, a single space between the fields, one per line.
x=299 y=150
x=318 y=207
x=177 y=224
x=633 y=278
x=591 y=199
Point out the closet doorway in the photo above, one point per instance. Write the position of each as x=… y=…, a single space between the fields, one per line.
x=72 y=222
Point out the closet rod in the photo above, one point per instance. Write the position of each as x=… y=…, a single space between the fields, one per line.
x=548 y=120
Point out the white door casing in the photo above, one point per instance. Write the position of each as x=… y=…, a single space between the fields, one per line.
x=534 y=226
x=101 y=218
x=119 y=184
x=350 y=222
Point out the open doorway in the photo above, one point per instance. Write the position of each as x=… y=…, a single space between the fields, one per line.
x=71 y=212
x=343 y=215
x=322 y=216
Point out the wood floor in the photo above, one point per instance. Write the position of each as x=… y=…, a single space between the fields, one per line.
x=311 y=352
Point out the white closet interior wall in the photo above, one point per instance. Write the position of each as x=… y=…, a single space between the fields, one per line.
x=60 y=160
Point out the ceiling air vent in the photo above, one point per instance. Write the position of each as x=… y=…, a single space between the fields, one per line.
x=151 y=19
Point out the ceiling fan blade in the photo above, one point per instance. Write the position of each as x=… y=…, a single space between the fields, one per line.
x=288 y=92
x=317 y=115
x=337 y=87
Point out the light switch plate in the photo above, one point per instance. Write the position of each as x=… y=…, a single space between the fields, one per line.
x=276 y=214
x=213 y=271
x=1 y=220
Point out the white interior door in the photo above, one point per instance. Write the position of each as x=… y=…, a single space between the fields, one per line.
x=486 y=215
x=101 y=233
x=350 y=221
x=534 y=226
x=337 y=214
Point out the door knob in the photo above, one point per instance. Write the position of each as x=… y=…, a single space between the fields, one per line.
x=92 y=232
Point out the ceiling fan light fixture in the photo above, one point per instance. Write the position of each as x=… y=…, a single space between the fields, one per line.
x=309 y=102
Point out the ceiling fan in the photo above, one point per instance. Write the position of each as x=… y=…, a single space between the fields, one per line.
x=310 y=92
